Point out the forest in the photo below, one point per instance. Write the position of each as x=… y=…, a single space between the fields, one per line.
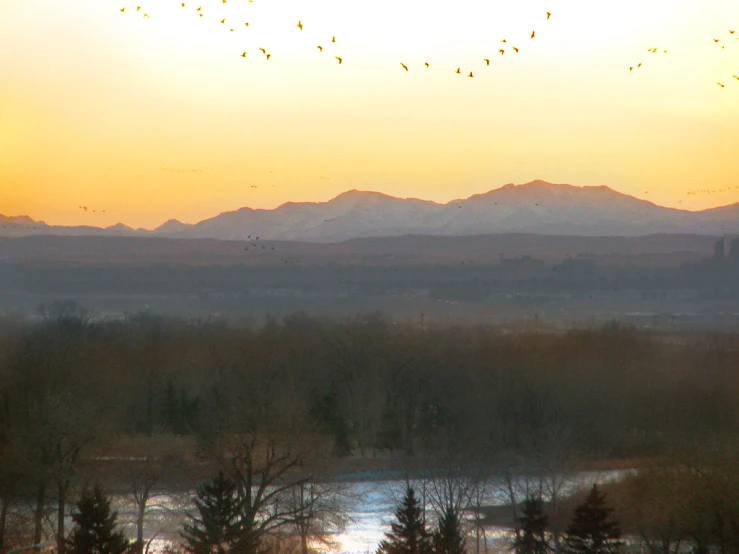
x=279 y=406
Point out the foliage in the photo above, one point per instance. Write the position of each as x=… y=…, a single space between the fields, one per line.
x=408 y=534
x=592 y=531
x=95 y=526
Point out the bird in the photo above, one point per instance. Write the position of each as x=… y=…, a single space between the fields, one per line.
x=123 y=10
x=300 y=25
x=533 y=34
x=243 y=54
x=263 y=51
x=631 y=68
x=182 y=4
x=501 y=51
x=138 y=8
x=721 y=85
x=223 y=21
x=146 y=15
x=731 y=32
x=717 y=40
x=246 y=24
x=201 y=15
x=426 y=64
x=487 y=61
x=736 y=77
x=339 y=59
x=459 y=70
x=231 y=30
x=515 y=50
x=269 y=56
x=470 y=75
x=548 y=15
x=504 y=40
x=320 y=48
x=333 y=39
x=404 y=66
x=639 y=64
x=199 y=9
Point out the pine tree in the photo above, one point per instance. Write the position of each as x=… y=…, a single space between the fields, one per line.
x=533 y=523
x=408 y=535
x=590 y=531
x=95 y=526
x=217 y=527
x=449 y=538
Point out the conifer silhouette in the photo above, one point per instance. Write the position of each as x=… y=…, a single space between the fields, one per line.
x=591 y=531
x=95 y=526
x=408 y=535
x=449 y=538
x=532 y=537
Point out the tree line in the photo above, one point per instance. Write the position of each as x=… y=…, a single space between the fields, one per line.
x=272 y=405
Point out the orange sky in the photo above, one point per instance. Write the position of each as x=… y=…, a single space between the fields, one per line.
x=97 y=107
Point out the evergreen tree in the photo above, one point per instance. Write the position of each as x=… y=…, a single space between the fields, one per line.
x=408 y=535
x=95 y=526
x=531 y=538
x=217 y=527
x=449 y=538
x=590 y=531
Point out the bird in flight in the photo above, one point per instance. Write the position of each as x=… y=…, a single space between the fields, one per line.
x=243 y=54
x=487 y=61
x=639 y=64
x=720 y=84
x=231 y=30
x=533 y=34
x=717 y=40
x=199 y=9
x=404 y=66
x=223 y=21
x=123 y=10
x=731 y=32
x=320 y=48
x=736 y=77
x=631 y=68
x=426 y=64
x=515 y=50
x=268 y=56
x=138 y=8
x=182 y=4
x=470 y=75
x=201 y=15
x=263 y=51
x=246 y=24
x=548 y=15
x=146 y=15
x=333 y=39
x=501 y=52
x=339 y=59
x=459 y=70
x=504 y=40
x=300 y=25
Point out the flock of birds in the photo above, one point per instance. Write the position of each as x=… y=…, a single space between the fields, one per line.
x=502 y=51
x=267 y=55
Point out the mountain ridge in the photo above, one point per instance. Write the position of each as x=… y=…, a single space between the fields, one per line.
x=537 y=207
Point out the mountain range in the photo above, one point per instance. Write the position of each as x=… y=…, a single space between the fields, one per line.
x=537 y=207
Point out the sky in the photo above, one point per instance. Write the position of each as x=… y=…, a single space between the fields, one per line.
x=161 y=117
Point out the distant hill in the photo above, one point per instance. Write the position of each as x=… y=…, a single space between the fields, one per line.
x=537 y=207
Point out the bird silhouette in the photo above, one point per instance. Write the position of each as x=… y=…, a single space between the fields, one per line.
x=504 y=40
x=631 y=68
x=404 y=66
x=501 y=52
x=138 y=8
x=223 y=21
x=515 y=50
x=246 y=24
x=731 y=32
x=533 y=34
x=231 y=30
x=320 y=48
x=548 y=15
x=300 y=25
x=182 y=4
x=146 y=15
x=201 y=15
x=263 y=51
x=717 y=40
x=268 y=56
x=243 y=54
x=459 y=70
x=736 y=77
x=487 y=61
x=426 y=64
x=340 y=60
x=333 y=39
x=638 y=65
x=470 y=75
x=721 y=85
x=123 y=10
x=199 y=9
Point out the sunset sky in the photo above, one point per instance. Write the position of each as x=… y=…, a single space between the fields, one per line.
x=102 y=108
